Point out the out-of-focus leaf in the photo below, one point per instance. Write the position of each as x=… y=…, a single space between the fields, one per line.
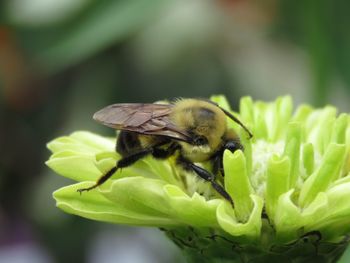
x=108 y=23
x=38 y=13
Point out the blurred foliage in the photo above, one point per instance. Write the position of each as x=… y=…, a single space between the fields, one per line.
x=321 y=28
x=60 y=61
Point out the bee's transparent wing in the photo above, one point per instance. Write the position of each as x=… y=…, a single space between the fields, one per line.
x=149 y=119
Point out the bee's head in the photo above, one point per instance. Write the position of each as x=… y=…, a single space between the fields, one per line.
x=203 y=121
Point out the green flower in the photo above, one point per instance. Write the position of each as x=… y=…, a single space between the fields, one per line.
x=290 y=186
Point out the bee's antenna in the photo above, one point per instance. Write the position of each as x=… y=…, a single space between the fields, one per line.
x=230 y=115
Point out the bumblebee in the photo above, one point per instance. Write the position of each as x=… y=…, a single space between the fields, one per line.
x=192 y=130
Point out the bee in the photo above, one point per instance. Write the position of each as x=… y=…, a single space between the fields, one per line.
x=192 y=130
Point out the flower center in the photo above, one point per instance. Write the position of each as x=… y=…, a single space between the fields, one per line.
x=262 y=152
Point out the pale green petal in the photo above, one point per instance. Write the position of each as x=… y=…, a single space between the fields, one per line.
x=93 y=140
x=247 y=112
x=308 y=157
x=140 y=194
x=339 y=129
x=237 y=184
x=163 y=170
x=260 y=130
x=318 y=126
x=302 y=113
x=270 y=118
x=287 y=219
x=82 y=141
x=67 y=143
x=228 y=221
x=277 y=182
x=194 y=211
x=78 y=167
x=94 y=206
x=336 y=220
x=283 y=108
x=325 y=174
x=342 y=180
x=316 y=210
x=292 y=150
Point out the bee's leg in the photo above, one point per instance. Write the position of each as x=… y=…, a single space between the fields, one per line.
x=122 y=163
x=209 y=177
x=218 y=165
x=204 y=174
x=165 y=153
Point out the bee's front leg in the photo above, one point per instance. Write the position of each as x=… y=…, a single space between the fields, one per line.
x=204 y=174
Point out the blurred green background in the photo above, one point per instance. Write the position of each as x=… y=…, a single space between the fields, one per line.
x=60 y=61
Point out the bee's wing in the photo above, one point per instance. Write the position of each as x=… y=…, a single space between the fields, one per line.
x=150 y=119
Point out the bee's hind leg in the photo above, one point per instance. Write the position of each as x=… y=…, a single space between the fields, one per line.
x=204 y=174
x=122 y=163
x=100 y=180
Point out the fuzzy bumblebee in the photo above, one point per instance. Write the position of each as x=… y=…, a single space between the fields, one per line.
x=191 y=129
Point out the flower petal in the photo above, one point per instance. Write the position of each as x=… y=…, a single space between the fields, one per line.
x=336 y=221
x=317 y=126
x=95 y=206
x=278 y=170
x=287 y=218
x=237 y=184
x=308 y=157
x=246 y=109
x=325 y=174
x=139 y=194
x=283 y=108
x=228 y=221
x=67 y=143
x=163 y=170
x=292 y=150
x=195 y=210
x=78 y=167
x=93 y=140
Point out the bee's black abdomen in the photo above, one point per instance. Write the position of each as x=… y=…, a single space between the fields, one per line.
x=128 y=143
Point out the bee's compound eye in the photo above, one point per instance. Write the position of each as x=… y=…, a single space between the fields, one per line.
x=200 y=140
